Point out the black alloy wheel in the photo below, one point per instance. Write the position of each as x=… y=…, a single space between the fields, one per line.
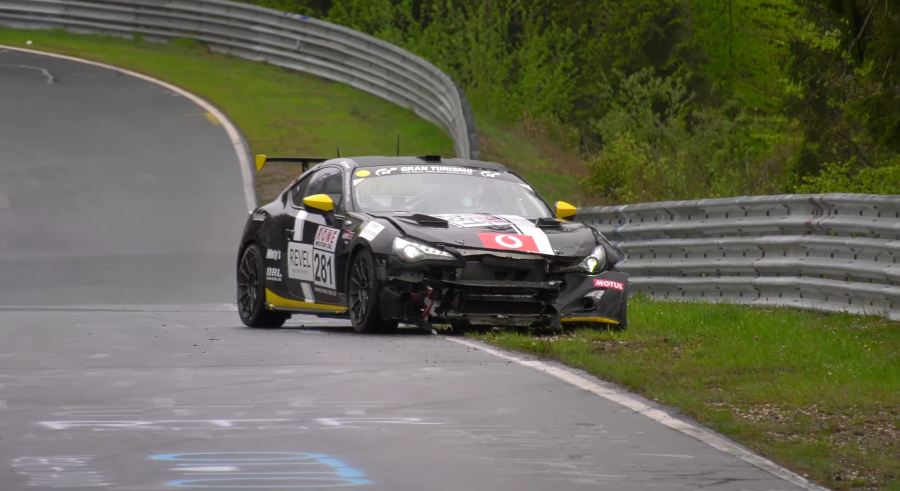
x=251 y=292
x=363 y=290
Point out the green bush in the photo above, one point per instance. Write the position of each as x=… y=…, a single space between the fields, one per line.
x=661 y=146
x=848 y=178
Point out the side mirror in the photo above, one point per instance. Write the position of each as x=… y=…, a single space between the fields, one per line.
x=260 y=162
x=565 y=210
x=321 y=202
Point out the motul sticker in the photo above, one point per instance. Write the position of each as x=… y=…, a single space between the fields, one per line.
x=615 y=285
x=509 y=242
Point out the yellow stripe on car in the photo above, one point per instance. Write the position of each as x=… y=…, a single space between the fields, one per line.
x=285 y=303
x=590 y=319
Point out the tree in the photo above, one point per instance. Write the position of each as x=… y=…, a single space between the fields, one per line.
x=848 y=97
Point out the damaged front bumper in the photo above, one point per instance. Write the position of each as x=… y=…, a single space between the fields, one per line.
x=444 y=296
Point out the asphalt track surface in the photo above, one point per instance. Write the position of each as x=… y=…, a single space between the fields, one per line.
x=122 y=367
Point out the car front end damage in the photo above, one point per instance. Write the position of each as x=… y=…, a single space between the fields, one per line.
x=460 y=286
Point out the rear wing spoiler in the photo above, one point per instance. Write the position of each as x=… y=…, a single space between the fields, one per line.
x=261 y=160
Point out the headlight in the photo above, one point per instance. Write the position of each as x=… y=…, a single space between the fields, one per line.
x=410 y=251
x=595 y=261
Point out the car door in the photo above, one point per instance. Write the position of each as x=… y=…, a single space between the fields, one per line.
x=313 y=249
x=278 y=236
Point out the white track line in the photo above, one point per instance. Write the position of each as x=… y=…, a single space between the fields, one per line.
x=42 y=70
x=654 y=414
x=236 y=140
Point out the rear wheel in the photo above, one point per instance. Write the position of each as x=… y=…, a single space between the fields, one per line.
x=363 y=289
x=251 y=292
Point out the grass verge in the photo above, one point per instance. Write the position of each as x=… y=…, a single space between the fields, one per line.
x=817 y=393
x=289 y=113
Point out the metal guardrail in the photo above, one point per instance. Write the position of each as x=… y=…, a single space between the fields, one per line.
x=826 y=252
x=287 y=40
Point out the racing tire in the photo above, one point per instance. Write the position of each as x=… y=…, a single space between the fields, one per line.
x=363 y=291
x=251 y=292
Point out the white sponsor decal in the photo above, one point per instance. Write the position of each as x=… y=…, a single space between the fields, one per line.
x=308 y=293
x=273 y=254
x=298 y=225
x=436 y=169
x=487 y=173
x=529 y=229
x=259 y=217
x=273 y=274
x=371 y=230
x=326 y=238
x=469 y=220
x=598 y=283
x=385 y=172
x=323 y=269
x=300 y=261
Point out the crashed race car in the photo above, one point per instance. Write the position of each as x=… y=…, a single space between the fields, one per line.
x=423 y=241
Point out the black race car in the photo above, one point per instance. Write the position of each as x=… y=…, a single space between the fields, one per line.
x=422 y=241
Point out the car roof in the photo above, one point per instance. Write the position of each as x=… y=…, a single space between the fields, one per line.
x=379 y=161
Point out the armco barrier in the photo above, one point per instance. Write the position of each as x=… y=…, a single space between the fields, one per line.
x=286 y=40
x=827 y=252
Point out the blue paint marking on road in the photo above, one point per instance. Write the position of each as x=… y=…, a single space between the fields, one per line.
x=227 y=470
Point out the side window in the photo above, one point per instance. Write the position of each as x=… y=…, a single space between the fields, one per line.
x=329 y=181
x=298 y=192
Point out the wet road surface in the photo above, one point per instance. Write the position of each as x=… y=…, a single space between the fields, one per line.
x=123 y=364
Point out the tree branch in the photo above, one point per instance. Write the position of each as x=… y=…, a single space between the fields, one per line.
x=858 y=35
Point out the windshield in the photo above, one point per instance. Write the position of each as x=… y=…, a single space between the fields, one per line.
x=436 y=189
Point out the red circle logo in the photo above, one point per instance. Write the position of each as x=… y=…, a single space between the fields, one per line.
x=514 y=244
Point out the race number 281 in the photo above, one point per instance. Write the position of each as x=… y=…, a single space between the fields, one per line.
x=323 y=269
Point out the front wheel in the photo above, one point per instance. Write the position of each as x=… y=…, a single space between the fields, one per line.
x=363 y=290
x=251 y=292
